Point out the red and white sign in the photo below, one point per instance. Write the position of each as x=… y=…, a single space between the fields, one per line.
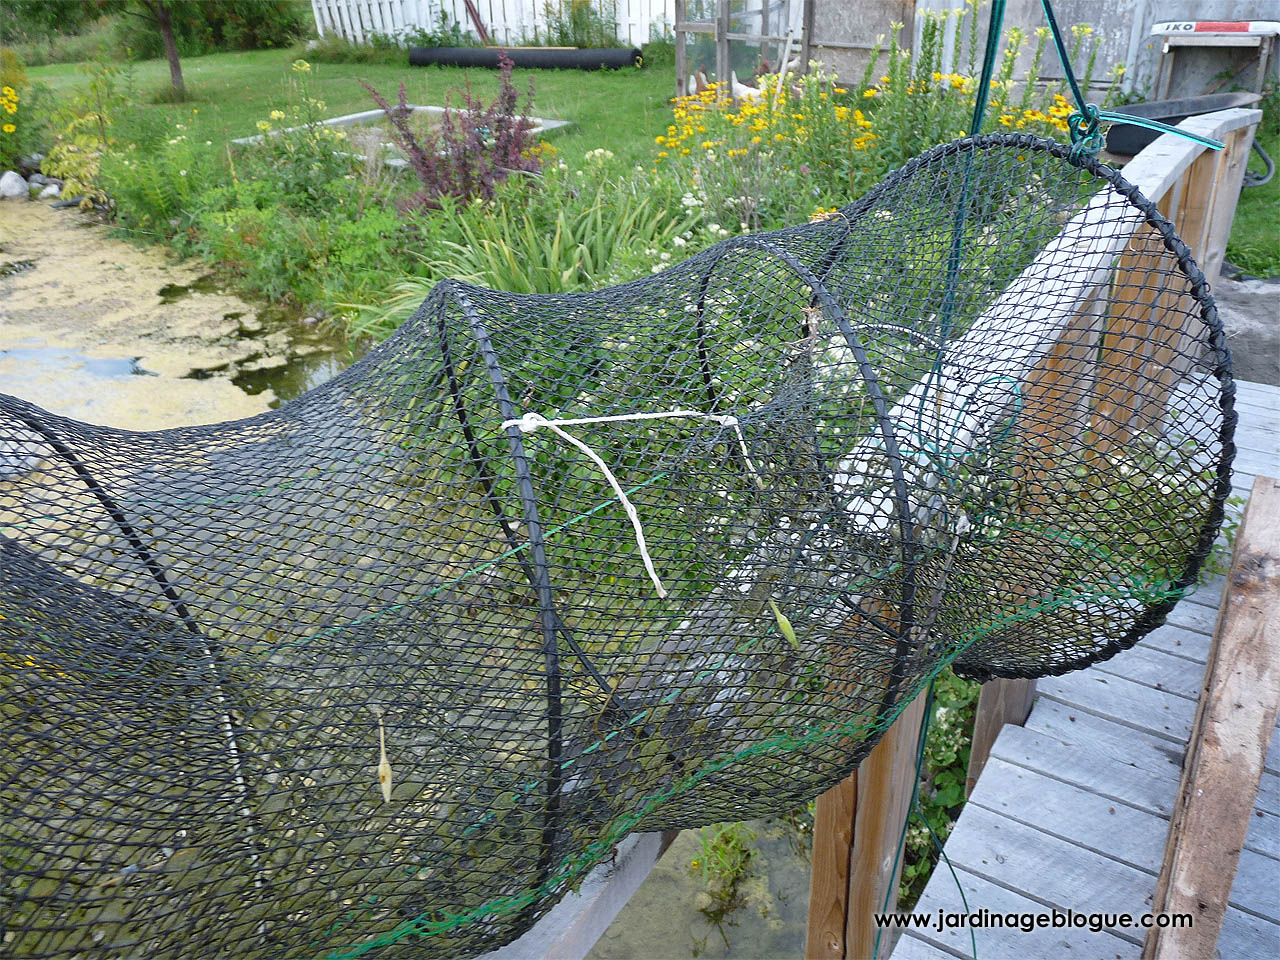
x=1267 y=28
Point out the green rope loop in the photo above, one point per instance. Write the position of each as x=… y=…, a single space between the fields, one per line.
x=1083 y=124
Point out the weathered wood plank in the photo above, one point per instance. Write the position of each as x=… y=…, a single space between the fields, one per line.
x=1195 y=616
x=1180 y=642
x=571 y=928
x=1247 y=936
x=999 y=702
x=829 y=874
x=1110 y=828
x=910 y=947
x=1019 y=857
x=1120 y=764
x=1269 y=793
x=1264 y=836
x=997 y=944
x=1073 y=813
x=1126 y=702
x=885 y=782
x=1233 y=728
x=855 y=840
x=1156 y=669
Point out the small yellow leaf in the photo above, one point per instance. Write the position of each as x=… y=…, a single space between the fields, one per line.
x=384 y=766
x=784 y=625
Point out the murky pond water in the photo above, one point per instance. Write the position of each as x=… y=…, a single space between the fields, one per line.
x=673 y=917
x=96 y=329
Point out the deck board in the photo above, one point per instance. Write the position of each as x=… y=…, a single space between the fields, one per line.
x=1072 y=809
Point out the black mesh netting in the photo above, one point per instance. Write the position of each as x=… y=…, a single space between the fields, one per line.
x=981 y=416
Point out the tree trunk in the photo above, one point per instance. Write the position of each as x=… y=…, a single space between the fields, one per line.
x=161 y=14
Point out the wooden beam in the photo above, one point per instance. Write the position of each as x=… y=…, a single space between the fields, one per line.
x=829 y=875
x=1000 y=702
x=682 y=50
x=857 y=825
x=1235 y=720
x=886 y=780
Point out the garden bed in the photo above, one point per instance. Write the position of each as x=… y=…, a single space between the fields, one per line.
x=425 y=118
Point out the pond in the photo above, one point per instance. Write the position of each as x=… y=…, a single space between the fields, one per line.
x=96 y=329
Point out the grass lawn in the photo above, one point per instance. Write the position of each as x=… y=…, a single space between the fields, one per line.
x=1254 y=246
x=622 y=110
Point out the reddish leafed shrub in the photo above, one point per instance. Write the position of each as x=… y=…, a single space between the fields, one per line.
x=474 y=148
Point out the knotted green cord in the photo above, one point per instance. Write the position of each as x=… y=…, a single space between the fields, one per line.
x=1083 y=124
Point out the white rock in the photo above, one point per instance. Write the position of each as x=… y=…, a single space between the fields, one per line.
x=51 y=192
x=12 y=185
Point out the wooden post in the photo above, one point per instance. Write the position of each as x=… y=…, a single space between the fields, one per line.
x=1234 y=722
x=722 y=42
x=682 y=51
x=1223 y=211
x=856 y=830
x=1000 y=702
x=806 y=34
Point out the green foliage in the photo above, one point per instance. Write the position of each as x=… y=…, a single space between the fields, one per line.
x=155 y=174
x=1254 y=245
x=89 y=39
x=379 y=48
x=724 y=861
x=28 y=21
x=86 y=129
x=580 y=23
x=22 y=117
x=558 y=232
x=942 y=780
x=202 y=28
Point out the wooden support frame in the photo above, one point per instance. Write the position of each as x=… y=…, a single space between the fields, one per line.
x=1000 y=702
x=1233 y=726
x=864 y=815
x=854 y=820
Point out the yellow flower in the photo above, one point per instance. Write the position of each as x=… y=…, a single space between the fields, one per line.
x=264 y=126
x=659 y=140
x=8 y=128
x=9 y=92
x=870 y=92
x=276 y=114
x=10 y=107
x=662 y=153
x=840 y=90
x=301 y=66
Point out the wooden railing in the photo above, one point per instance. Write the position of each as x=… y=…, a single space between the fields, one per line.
x=859 y=821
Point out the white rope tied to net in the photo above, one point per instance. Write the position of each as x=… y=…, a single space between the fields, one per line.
x=533 y=421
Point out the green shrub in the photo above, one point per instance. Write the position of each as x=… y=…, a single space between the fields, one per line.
x=86 y=129
x=88 y=41
x=23 y=122
x=155 y=174
x=580 y=23
x=561 y=231
x=200 y=27
x=33 y=21
x=378 y=48
x=942 y=781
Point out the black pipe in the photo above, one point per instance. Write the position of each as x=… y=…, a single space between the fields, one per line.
x=531 y=58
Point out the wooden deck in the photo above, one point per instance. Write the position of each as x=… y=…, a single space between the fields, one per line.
x=1072 y=810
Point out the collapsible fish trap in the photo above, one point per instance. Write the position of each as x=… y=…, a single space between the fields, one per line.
x=386 y=670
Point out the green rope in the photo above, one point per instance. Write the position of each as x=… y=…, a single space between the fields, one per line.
x=988 y=67
x=914 y=806
x=1084 y=123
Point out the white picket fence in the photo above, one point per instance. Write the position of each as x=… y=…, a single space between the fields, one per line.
x=507 y=21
